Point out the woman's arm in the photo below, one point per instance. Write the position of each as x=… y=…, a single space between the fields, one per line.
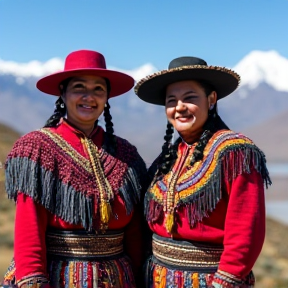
x=244 y=230
x=29 y=244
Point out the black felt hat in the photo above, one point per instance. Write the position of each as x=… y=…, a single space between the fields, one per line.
x=152 y=88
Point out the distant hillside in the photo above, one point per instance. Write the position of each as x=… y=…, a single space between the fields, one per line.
x=272 y=137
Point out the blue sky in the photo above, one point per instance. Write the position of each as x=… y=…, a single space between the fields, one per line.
x=131 y=33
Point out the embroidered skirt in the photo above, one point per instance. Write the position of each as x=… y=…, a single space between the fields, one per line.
x=181 y=264
x=85 y=260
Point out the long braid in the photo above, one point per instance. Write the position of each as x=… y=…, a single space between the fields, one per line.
x=110 y=147
x=60 y=107
x=169 y=151
x=60 y=111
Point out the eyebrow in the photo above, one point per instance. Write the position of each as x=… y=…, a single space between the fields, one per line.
x=188 y=92
x=98 y=81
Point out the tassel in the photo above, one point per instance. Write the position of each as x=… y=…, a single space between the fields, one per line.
x=169 y=223
x=105 y=212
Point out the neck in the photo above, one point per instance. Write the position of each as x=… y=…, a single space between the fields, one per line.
x=191 y=137
x=85 y=129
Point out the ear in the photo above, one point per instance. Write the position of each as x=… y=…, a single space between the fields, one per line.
x=212 y=98
x=63 y=96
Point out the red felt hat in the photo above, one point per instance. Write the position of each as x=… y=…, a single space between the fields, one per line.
x=86 y=62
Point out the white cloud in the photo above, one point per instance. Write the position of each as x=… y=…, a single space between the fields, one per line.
x=32 y=68
x=39 y=69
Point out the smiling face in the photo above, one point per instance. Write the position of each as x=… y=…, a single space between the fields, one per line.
x=187 y=107
x=85 y=99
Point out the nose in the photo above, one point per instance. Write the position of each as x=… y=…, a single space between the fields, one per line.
x=88 y=95
x=180 y=106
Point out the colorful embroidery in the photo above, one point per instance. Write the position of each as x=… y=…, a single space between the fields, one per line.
x=198 y=187
x=159 y=276
x=87 y=274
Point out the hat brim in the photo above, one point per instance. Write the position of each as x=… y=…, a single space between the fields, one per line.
x=120 y=83
x=152 y=88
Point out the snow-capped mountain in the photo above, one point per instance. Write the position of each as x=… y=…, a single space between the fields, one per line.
x=263 y=67
x=262 y=95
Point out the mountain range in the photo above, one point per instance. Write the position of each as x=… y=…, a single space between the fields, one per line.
x=257 y=103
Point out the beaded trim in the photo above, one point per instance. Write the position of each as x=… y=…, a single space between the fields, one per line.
x=32 y=281
x=224 y=279
x=188 y=67
x=69 y=150
x=186 y=254
x=84 y=245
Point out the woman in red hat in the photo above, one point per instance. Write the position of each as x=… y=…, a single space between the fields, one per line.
x=205 y=204
x=77 y=188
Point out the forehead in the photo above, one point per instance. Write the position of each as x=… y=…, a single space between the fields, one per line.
x=88 y=79
x=183 y=85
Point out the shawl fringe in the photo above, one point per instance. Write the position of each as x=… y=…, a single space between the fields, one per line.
x=44 y=188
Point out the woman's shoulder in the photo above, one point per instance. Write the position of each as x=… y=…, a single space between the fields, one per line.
x=30 y=141
x=128 y=152
x=227 y=137
x=124 y=146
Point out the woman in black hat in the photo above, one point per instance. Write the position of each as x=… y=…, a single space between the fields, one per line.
x=77 y=187
x=205 y=204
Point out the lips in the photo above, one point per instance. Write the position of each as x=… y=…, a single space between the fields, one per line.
x=89 y=107
x=183 y=118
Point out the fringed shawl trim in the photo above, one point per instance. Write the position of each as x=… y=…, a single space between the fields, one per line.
x=199 y=188
x=45 y=167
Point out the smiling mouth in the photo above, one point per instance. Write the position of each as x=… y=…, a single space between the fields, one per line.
x=86 y=106
x=184 y=118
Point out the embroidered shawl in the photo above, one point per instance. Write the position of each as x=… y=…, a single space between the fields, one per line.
x=45 y=167
x=199 y=187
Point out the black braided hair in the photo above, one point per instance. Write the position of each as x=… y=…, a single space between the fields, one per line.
x=60 y=111
x=60 y=107
x=110 y=145
x=169 y=154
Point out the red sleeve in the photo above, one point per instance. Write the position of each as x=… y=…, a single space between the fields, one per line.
x=29 y=244
x=244 y=225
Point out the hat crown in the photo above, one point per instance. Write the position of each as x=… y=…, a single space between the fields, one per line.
x=86 y=59
x=186 y=61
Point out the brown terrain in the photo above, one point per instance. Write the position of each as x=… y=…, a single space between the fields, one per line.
x=271 y=267
x=272 y=137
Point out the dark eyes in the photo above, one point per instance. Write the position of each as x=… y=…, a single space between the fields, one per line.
x=81 y=87
x=99 y=88
x=185 y=99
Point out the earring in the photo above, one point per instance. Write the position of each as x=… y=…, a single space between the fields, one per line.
x=211 y=107
x=62 y=105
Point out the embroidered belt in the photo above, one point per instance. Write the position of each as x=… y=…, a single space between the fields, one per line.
x=186 y=255
x=82 y=244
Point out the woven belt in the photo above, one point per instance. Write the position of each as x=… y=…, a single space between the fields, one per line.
x=82 y=244
x=184 y=254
